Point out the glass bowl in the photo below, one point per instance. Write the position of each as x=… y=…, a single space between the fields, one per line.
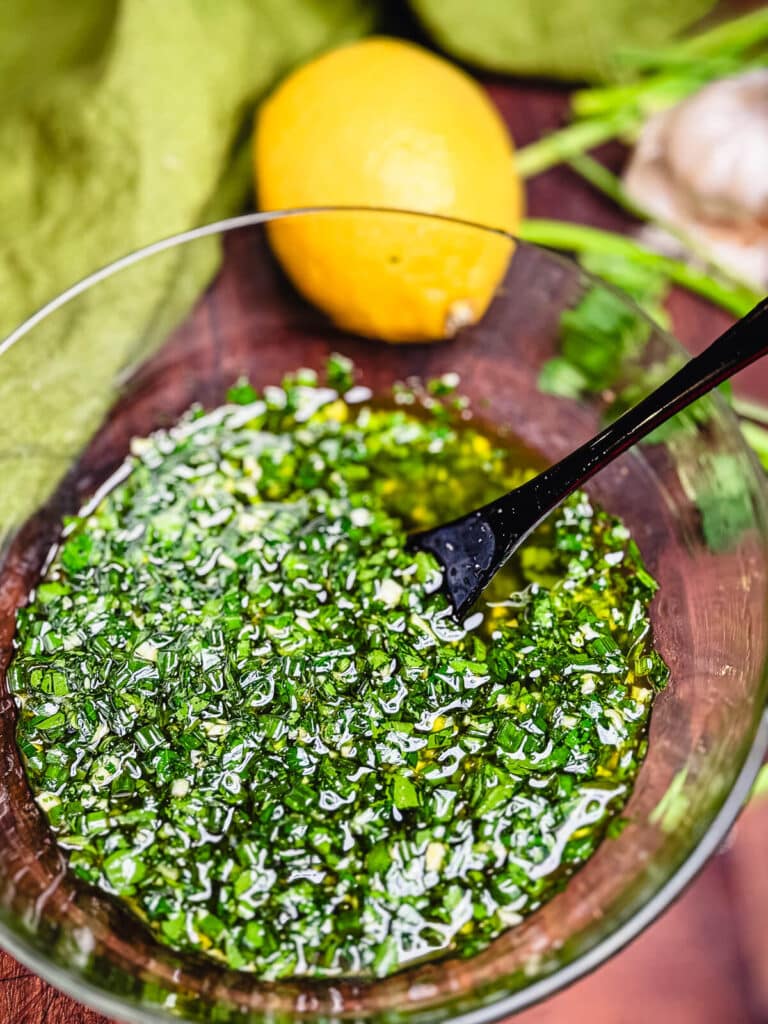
x=130 y=348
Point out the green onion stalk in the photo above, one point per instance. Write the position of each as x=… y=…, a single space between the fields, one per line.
x=657 y=80
x=736 y=299
x=662 y=77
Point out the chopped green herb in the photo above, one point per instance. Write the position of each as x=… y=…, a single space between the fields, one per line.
x=259 y=722
x=601 y=342
x=602 y=334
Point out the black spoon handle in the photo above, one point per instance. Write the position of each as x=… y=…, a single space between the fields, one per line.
x=745 y=342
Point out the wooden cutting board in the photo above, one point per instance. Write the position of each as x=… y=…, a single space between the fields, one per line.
x=706 y=961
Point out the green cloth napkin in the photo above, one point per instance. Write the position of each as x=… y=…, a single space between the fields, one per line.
x=119 y=120
x=121 y=123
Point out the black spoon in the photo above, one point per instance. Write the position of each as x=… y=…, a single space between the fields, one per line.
x=474 y=547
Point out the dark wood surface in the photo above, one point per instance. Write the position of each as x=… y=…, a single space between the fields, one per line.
x=706 y=960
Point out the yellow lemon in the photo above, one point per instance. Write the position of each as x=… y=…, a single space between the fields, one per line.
x=385 y=123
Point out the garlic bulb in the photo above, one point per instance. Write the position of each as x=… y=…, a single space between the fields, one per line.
x=702 y=166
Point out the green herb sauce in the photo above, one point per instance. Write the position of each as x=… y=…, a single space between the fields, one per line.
x=247 y=710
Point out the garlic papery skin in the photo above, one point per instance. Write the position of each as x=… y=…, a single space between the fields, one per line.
x=702 y=167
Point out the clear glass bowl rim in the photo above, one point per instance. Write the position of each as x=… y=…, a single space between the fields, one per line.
x=587 y=962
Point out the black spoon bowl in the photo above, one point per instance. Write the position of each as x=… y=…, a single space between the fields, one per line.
x=473 y=548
